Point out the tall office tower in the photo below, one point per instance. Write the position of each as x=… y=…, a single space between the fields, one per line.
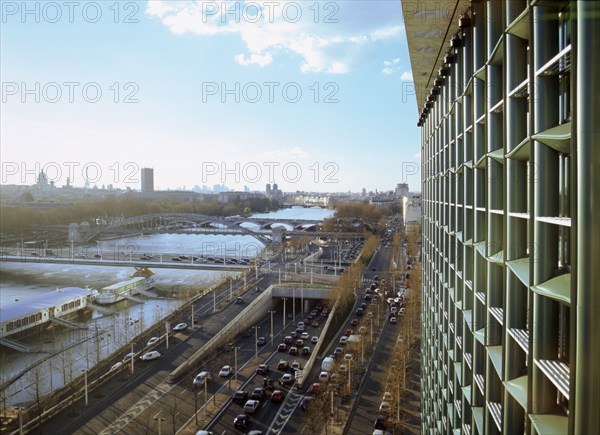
x=509 y=102
x=147 y=180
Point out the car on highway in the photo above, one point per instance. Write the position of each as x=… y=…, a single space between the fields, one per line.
x=262 y=369
x=305 y=351
x=314 y=339
x=283 y=365
x=305 y=403
x=362 y=330
x=240 y=397
x=201 y=378
x=180 y=327
x=315 y=323
x=149 y=356
x=304 y=336
x=379 y=423
x=359 y=312
x=349 y=332
x=343 y=368
x=393 y=320
x=152 y=341
x=277 y=396
x=343 y=339
x=261 y=341
x=241 y=421
x=337 y=352
x=258 y=394
x=225 y=372
x=315 y=388
x=128 y=357
x=296 y=366
x=116 y=366
x=348 y=356
x=384 y=407
x=288 y=339
x=286 y=379
x=293 y=350
x=282 y=347
x=354 y=322
x=323 y=376
x=204 y=432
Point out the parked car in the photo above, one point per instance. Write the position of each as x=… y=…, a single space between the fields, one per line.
x=201 y=377
x=225 y=372
x=149 y=356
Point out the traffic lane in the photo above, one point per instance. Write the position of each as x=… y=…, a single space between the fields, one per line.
x=369 y=397
x=267 y=411
x=182 y=346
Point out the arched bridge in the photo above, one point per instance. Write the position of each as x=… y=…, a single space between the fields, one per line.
x=174 y=222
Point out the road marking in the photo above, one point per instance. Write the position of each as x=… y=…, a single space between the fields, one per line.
x=285 y=413
x=135 y=410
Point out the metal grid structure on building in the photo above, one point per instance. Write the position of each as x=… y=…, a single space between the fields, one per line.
x=510 y=121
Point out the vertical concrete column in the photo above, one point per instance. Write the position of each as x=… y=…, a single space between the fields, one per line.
x=587 y=229
x=545 y=203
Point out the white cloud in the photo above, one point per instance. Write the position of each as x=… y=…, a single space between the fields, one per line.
x=407 y=76
x=266 y=36
x=391 y=66
x=258 y=59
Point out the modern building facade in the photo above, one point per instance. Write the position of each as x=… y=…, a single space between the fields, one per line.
x=147 y=180
x=509 y=100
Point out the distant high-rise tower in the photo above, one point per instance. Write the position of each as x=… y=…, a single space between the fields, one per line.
x=268 y=188
x=401 y=190
x=147 y=180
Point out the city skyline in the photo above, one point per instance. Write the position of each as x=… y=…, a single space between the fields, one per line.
x=204 y=95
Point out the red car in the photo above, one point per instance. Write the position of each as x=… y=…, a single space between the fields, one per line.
x=354 y=322
x=314 y=388
x=349 y=331
x=277 y=396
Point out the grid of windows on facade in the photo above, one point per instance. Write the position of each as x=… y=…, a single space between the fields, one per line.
x=22 y=322
x=71 y=305
x=498 y=171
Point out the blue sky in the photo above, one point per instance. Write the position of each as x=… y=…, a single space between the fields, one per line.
x=315 y=96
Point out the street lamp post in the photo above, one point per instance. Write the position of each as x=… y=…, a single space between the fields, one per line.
x=85 y=385
x=256 y=342
x=294 y=303
x=160 y=420
x=235 y=362
x=272 y=335
x=284 y=300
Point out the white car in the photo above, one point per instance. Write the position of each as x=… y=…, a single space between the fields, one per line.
x=304 y=336
x=152 y=341
x=251 y=406
x=180 y=327
x=149 y=356
x=393 y=320
x=314 y=339
x=128 y=357
x=384 y=407
x=344 y=339
x=116 y=366
x=348 y=356
x=225 y=372
x=323 y=376
x=201 y=377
